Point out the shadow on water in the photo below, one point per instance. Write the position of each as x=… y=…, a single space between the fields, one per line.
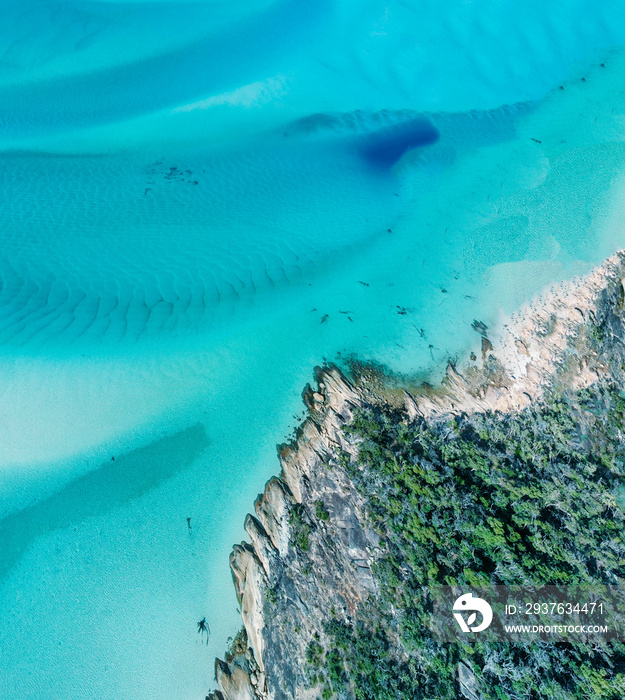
x=109 y=486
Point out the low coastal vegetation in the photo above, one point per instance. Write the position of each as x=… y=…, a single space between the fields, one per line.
x=531 y=498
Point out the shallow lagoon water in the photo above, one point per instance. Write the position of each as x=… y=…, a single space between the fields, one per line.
x=156 y=333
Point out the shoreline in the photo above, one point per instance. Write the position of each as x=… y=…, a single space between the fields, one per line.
x=312 y=549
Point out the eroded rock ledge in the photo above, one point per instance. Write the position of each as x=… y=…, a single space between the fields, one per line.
x=311 y=551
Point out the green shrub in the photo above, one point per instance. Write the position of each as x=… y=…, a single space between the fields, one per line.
x=321 y=511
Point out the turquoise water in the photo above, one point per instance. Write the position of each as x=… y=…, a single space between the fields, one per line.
x=201 y=201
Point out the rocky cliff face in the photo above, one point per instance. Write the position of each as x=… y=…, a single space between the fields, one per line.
x=311 y=551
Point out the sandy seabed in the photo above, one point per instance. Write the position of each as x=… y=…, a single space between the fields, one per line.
x=189 y=223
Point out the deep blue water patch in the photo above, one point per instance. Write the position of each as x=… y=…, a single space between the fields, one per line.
x=384 y=148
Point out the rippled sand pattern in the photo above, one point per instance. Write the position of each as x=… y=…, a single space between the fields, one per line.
x=116 y=248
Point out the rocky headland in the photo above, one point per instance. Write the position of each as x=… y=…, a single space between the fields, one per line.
x=321 y=535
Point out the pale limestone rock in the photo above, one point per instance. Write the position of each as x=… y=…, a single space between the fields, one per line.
x=411 y=406
x=263 y=547
x=272 y=508
x=250 y=582
x=234 y=680
x=467 y=682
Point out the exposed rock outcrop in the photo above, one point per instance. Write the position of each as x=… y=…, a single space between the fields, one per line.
x=312 y=551
x=309 y=520
x=549 y=340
